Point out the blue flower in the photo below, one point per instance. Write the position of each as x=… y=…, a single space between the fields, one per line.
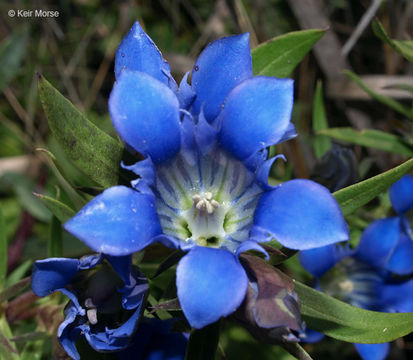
x=105 y=310
x=340 y=272
x=203 y=184
x=391 y=239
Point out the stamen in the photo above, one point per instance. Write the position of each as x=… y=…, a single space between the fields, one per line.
x=92 y=316
x=91 y=312
x=205 y=202
x=346 y=285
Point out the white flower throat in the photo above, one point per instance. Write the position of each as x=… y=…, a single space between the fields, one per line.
x=208 y=202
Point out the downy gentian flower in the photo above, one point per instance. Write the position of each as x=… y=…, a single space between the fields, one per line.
x=104 y=307
x=391 y=239
x=203 y=185
x=349 y=276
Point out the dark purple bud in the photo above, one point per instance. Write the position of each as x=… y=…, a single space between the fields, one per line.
x=271 y=308
x=336 y=169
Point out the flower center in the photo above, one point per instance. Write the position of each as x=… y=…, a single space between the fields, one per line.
x=353 y=282
x=209 y=201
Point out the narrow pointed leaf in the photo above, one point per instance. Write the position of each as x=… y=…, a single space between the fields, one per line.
x=14 y=289
x=342 y=321
x=321 y=142
x=3 y=251
x=296 y=350
x=61 y=211
x=203 y=343
x=93 y=151
x=391 y=103
x=357 y=195
x=404 y=48
x=280 y=55
x=55 y=245
x=371 y=138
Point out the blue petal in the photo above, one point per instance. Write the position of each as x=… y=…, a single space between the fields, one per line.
x=220 y=67
x=186 y=95
x=134 y=293
x=90 y=261
x=145 y=169
x=263 y=171
x=300 y=214
x=401 y=261
x=113 y=339
x=53 y=274
x=122 y=266
x=69 y=333
x=289 y=134
x=138 y=52
x=251 y=245
x=205 y=134
x=319 y=260
x=396 y=297
x=154 y=340
x=401 y=194
x=378 y=241
x=118 y=222
x=373 y=351
x=256 y=115
x=312 y=336
x=211 y=283
x=145 y=113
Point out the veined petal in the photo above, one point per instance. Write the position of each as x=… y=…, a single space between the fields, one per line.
x=138 y=52
x=256 y=115
x=401 y=194
x=373 y=351
x=319 y=260
x=378 y=241
x=221 y=66
x=120 y=221
x=300 y=214
x=211 y=283
x=145 y=113
x=53 y=274
x=401 y=260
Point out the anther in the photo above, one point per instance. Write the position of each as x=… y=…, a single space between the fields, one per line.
x=205 y=202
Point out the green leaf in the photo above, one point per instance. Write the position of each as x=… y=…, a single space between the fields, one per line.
x=393 y=104
x=14 y=289
x=404 y=48
x=404 y=87
x=321 y=143
x=12 y=50
x=61 y=211
x=3 y=251
x=280 y=55
x=371 y=138
x=296 y=350
x=355 y=196
x=23 y=186
x=55 y=244
x=203 y=343
x=96 y=153
x=349 y=323
x=19 y=272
